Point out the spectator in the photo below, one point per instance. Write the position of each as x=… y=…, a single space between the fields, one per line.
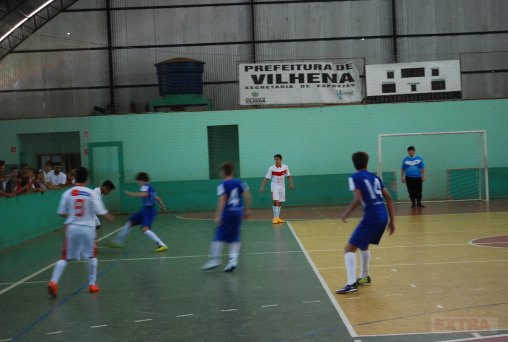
x=38 y=182
x=57 y=179
x=24 y=174
x=47 y=170
x=4 y=181
x=12 y=181
x=71 y=178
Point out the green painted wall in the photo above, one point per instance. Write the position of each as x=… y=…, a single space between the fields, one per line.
x=29 y=216
x=316 y=143
x=34 y=144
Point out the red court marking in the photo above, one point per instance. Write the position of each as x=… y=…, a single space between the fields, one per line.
x=492 y=241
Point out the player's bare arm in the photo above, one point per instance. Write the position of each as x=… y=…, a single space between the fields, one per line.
x=423 y=174
x=136 y=194
x=357 y=200
x=221 y=202
x=108 y=217
x=247 y=198
x=262 y=188
x=391 y=211
x=291 y=186
x=161 y=203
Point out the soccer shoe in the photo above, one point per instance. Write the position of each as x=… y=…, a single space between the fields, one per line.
x=52 y=289
x=230 y=267
x=115 y=244
x=419 y=205
x=93 y=288
x=275 y=221
x=279 y=220
x=210 y=265
x=364 y=281
x=161 y=249
x=347 y=289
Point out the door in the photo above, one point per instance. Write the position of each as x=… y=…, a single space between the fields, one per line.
x=106 y=162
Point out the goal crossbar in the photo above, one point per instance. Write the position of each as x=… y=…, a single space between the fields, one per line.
x=481 y=132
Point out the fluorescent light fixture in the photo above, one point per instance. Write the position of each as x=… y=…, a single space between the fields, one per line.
x=26 y=18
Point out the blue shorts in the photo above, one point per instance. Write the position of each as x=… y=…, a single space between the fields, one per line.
x=144 y=217
x=369 y=232
x=229 y=230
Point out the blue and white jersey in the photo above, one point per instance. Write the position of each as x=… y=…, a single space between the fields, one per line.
x=148 y=201
x=234 y=189
x=413 y=166
x=371 y=187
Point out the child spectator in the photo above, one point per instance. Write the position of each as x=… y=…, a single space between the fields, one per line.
x=3 y=181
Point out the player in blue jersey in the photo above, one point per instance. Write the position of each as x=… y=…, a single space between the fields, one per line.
x=412 y=173
x=229 y=214
x=145 y=216
x=369 y=191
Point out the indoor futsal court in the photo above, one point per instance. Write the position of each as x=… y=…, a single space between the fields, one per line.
x=439 y=278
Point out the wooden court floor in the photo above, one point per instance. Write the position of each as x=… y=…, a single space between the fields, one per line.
x=429 y=282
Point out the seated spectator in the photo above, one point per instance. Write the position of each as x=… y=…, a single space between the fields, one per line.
x=71 y=177
x=12 y=181
x=38 y=182
x=20 y=188
x=57 y=179
x=4 y=181
x=24 y=174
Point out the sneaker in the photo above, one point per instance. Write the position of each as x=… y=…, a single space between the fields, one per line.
x=230 y=267
x=93 y=288
x=347 y=289
x=364 y=281
x=279 y=220
x=420 y=205
x=275 y=220
x=210 y=265
x=115 y=244
x=52 y=289
x=161 y=249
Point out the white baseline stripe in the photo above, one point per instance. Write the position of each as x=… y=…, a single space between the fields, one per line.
x=341 y=313
x=425 y=263
x=475 y=338
x=16 y=284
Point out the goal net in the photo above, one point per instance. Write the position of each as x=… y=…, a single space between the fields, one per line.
x=455 y=164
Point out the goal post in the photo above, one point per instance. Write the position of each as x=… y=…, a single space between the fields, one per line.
x=456 y=163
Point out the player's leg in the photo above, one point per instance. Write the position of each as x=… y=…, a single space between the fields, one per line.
x=350 y=262
x=282 y=198
x=376 y=231
x=233 y=238
x=119 y=238
x=215 y=250
x=276 y=204
x=411 y=190
x=90 y=253
x=69 y=246
x=146 y=227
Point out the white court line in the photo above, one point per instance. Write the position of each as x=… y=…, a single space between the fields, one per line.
x=389 y=247
x=98 y=326
x=440 y=332
x=143 y=320
x=432 y=292
x=311 y=301
x=27 y=282
x=16 y=284
x=229 y=310
x=395 y=294
x=334 y=302
x=269 y=305
x=186 y=315
x=426 y=263
x=439 y=306
x=475 y=334
x=7 y=339
x=54 y=332
x=350 y=298
x=475 y=338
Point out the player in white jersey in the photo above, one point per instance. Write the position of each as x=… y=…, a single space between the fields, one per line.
x=103 y=190
x=79 y=205
x=277 y=174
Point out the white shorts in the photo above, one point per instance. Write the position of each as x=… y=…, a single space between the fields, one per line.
x=79 y=242
x=279 y=195
x=97 y=221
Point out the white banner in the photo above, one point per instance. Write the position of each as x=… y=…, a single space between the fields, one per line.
x=298 y=83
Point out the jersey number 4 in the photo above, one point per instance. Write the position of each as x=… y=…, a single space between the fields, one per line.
x=233 y=199
x=79 y=207
x=373 y=190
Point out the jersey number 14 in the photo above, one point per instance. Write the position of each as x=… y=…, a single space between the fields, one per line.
x=373 y=190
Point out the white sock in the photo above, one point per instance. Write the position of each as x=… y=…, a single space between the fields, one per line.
x=364 y=260
x=216 y=249
x=120 y=237
x=92 y=271
x=234 y=251
x=350 y=260
x=278 y=211
x=154 y=238
x=275 y=215
x=58 y=270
